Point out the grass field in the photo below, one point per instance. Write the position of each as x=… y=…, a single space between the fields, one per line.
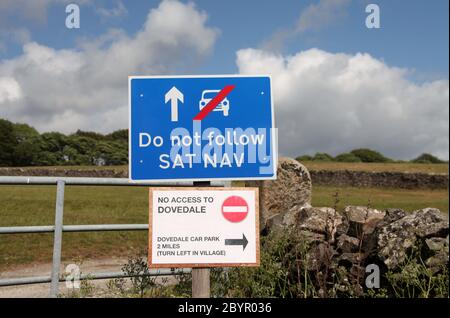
x=312 y=165
x=34 y=205
x=380 y=198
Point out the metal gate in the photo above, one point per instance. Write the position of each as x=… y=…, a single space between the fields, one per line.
x=58 y=228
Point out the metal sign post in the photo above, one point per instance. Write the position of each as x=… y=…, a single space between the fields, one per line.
x=201 y=285
x=57 y=238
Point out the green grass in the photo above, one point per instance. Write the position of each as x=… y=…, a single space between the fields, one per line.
x=381 y=198
x=35 y=205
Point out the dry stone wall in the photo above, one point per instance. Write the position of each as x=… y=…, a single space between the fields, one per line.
x=346 y=178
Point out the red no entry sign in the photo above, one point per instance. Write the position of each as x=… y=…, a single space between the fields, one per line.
x=214 y=102
x=235 y=208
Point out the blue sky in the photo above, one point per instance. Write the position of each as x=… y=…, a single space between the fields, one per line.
x=413 y=34
x=337 y=85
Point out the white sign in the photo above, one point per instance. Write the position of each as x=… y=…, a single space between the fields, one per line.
x=203 y=227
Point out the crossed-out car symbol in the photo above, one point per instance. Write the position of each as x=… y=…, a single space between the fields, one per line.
x=208 y=95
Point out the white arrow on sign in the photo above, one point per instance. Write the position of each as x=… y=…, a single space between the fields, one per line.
x=174 y=95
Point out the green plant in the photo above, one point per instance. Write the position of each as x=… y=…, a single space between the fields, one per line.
x=304 y=158
x=347 y=157
x=183 y=288
x=283 y=271
x=324 y=157
x=427 y=158
x=138 y=275
x=86 y=287
x=416 y=280
x=369 y=155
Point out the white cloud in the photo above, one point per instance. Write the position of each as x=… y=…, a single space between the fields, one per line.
x=115 y=12
x=325 y=12
x=314 y=17
x=86 y=88
x=16 y=35
x=338 y=102
x=9 y=90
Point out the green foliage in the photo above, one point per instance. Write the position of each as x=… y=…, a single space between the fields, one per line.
x=90 y=135
x=416 y=280
x=22 y=145
x=324 y=157
x=427 y=158
x=347 y=157
x=86 y=288
x=289 y=268
x=304 y=158
x=286 y=271
x=119 y=135
x=357 y=155
x=141 y=284
x=292 y=268
x=271 y=279
x=24 y=132
x=27 y=150
x=8 y=143
x=368 y=155
x=28 y=145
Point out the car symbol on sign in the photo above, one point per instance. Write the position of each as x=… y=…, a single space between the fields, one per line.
x=208 y=95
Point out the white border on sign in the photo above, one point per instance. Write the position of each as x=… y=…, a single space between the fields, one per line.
x=274 y=135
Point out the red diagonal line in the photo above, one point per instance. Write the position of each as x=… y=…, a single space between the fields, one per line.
x=214 y=102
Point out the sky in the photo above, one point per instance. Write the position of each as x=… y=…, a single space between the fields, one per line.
x=337 y=84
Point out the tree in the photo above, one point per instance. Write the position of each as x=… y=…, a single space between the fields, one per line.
x=24 y=132
x=304 y=158
x=29 y=144
x=54 y=141
x=347 y=157
x=119 y=135
x=427 y=158
x=47 y=158
x=8 y=143
x=26 y=152
x=83 y=145
x=89 y=134
x=69 y=155
x=22 y=145
x=369 y=155
x=322 y=156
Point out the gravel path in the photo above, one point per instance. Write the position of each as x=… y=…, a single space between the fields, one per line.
x=42 y=290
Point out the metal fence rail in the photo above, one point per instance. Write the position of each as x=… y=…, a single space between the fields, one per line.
x=98 y=181
x=93 y=276
x=73 y=228
x=59 y=228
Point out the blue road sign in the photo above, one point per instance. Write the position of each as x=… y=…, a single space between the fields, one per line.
x=201 y=128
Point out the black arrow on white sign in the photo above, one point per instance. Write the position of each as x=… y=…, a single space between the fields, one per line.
x=243 y=241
